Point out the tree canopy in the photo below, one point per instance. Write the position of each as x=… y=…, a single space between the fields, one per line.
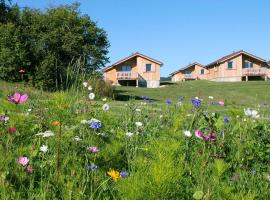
x=40 y=45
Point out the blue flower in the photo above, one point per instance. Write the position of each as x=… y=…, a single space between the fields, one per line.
x=196 y=102
x=226 y=119
x=124 y=174
x=168 y=101
x=253 y=172
x=150 y=100
x=91 y=167
x=95 y=125
x=145 y=97
x=181 y=99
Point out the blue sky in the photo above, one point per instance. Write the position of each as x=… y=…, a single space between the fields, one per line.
x=178 y=32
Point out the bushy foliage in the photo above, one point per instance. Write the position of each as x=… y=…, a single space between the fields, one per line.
x=154 y=143
x=39 y=46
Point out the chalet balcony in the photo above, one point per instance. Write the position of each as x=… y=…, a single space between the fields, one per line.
x=254 y=72
x=127 y=75
x=190 y=76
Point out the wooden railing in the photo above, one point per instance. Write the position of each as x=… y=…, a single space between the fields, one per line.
x=254 y=72
x=190 y=76
x=127 y=75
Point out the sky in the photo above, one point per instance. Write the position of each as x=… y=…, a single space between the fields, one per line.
x=177 y=32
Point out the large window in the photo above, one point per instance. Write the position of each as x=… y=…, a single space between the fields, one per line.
x=202 y=71
x=125 y=68
x=248 y=64
x=148 y=67
x=188 y=71
x=230 y=64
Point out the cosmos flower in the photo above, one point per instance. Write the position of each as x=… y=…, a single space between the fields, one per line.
x=91 y=167
x=138 y=124
x=46 y=134
x=199 y=134
x=44 y=148
x=23 y=161
x=209 y=137
x=85 y=84
x=17 y=98
x=95 y=123
x=91 y=96
x=187 y=133
x=12 y=130
x=105 y=107
x=221 y=103
x=196 y=102
x=115 y=175
x=93 y=149
x=124 y=174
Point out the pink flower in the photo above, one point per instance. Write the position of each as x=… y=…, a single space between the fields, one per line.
x=92 y=149
x=17 y=98
x=12 y=130
x=199 y=134
x=23 y=161
x=221 y=103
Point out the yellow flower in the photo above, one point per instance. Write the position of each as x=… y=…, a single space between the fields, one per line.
x=114 y=174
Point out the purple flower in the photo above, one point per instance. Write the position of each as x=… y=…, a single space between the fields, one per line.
x=181 y=99
x=91 y=167
x=196 y=102
x=209 y=137
x=95 y=124
x=226 y=120
x=168 y=101
x=18 y=98
x=4 y=118
x=150 y=100
x=145 y=97
x=92 y=149
x=124 y=174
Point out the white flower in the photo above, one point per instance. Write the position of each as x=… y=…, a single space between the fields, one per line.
x=91 y=96
x=196 y=97
x=187 y=133
x=251 y=113
x=90 y=88
x=85 y=84
x=138 y=110
x=46 y=134
x=84 y=121
x=106 y=107
x=44 y=148
x=129 y=134
x=138 y=124
x=143 y=103
x=104 y=99
x=29 y=110
x=77 y=138
x=179 y=103
x=211 y=97
x=160 y=116
x=93 y=120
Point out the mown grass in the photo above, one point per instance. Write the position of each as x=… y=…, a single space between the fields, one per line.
x=161 y=161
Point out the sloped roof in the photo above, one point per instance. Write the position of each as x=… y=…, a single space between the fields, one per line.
x=188 y=66
x=234 y=54
x=132 y=56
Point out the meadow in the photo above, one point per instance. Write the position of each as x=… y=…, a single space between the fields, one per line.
x=192 y=140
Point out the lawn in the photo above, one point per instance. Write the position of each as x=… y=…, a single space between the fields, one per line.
x=66 y=145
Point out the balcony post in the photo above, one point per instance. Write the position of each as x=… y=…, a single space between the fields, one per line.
x=246 y=78
x=265 y=78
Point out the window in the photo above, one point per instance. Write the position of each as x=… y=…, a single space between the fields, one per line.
x=230 y=65
x=125 y=68
x=148 y=67
x=187 y=71
x=248 y=64
x=202 y=71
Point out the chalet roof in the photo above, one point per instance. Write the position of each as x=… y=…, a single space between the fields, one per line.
x=132 y=56
x=186 y=67
x=234 y=54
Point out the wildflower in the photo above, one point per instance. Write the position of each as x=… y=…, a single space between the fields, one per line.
x=85 y=84
x=46 y=134
x=77 y=138
x=253 y=172
x=187 y=133
x=90 y=88
x=92 y=149
x=226 y=120
x=211 y=97
x=124 y=174
x=106 y=107
x=94 y=123
x=91 y=96
x=221 y=103
x=138 y=124
x=115 y=175
x=84 y=121
x=181 y=99
x=199 y=134
x=143 y=103
x=168 y=101
x=129 y=134
x=104 y=99
x=150 y=101
x=4 y=118
x=251 y=113
x=160 y=116
x=209 y=137
x=44 y=148
x=17 y=98
x=56 y=123
x=29 y=169
x=138 y=110
x=144 y=97
x=91 y=167
x=12 y=130
x=196 y=102
x=23 y=161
